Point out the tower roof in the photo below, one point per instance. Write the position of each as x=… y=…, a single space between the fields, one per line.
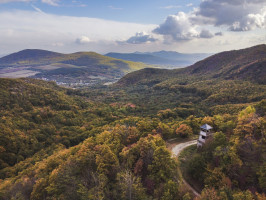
x=206 y=127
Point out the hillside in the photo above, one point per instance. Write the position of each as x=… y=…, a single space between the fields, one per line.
x=219 y=82
x=108 y=142
x=38 y=116
x=246 y=64
x=50 y=137
x=81 y=68
x=164 y=58
x=28 y=56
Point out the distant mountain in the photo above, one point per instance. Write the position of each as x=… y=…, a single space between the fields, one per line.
x=245 y=64
x=224 y=82
x=29 y=56
x=145 y=58
x=2 y=55
x=81 y=68
x=164 y=58
x=173 y=55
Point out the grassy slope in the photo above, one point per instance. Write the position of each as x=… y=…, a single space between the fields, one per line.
x=41 y=57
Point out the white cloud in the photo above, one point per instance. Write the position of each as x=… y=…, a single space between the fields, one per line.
x=83 y=40
x=51 y=2
x=250 y=22
x=227 y=23
x=31 y=29
x=37 y=9
x=178 y=27
x=237 y=15
x=232 y=15
x=141 y=38
x=189 y=4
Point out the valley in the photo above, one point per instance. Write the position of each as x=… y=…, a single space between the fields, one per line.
x=70 y=70
x=109 y=141
x=83 y=69
x=133 y=100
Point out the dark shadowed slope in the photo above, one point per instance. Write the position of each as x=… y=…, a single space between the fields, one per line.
x=246 y=64
x=28 y=56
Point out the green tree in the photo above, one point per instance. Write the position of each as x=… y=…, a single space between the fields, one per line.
x=163 y=167
x=107 y=162
x=165 y=130
x=130 y=187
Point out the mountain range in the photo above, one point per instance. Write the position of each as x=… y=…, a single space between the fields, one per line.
x=87 y=68
x=245 y=64
x=81 y=68
x=170 y=59
x=108 y=142
x=233 y=77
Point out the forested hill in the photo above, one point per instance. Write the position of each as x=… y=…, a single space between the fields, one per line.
x=38 y=116
x=57 y=145
x=221 y=82
x=37 y=57
x=108 y=142
x=245 y=64
x=81 y=68
x=29 y=56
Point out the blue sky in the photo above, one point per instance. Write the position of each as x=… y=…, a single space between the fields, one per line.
x=138 y=11
x=208 y=26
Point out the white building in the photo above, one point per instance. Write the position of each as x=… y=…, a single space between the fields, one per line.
x=205 y=133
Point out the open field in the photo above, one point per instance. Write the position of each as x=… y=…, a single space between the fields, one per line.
x=18 y=74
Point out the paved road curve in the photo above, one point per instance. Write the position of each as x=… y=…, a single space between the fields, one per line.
x=176 y=151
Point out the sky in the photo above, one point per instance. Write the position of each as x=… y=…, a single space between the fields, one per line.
x=186 y=26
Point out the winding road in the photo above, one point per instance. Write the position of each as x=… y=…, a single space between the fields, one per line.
x=176 y=151
x=179 y=147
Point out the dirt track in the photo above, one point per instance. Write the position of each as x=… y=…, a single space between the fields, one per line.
x=176 y=149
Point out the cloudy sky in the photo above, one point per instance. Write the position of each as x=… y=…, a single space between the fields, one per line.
x=195 y=26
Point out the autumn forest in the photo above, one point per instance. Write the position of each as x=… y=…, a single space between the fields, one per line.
x=111 y=142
